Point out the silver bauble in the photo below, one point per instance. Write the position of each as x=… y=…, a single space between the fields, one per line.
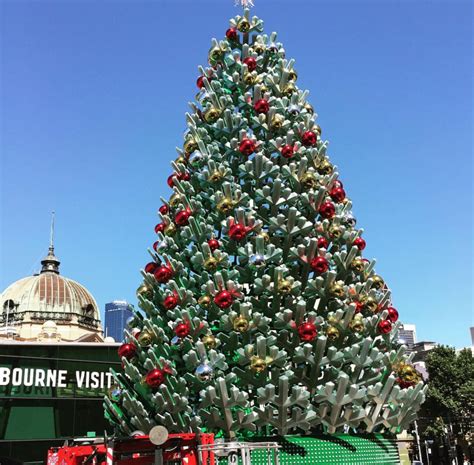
x=294 y=110
x=196 y=159
x=115 y=393
x=204 y=372
x=350 y=219
x=257 y=260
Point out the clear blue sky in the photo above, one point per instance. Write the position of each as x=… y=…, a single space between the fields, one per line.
x=93 y=101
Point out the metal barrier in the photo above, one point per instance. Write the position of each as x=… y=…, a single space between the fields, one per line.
x=239 y=453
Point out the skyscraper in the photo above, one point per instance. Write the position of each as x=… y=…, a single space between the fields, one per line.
x=116 y=315
x=407 y=335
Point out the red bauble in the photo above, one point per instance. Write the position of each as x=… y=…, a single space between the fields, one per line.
x=327 y=210
x=247 y=146
x=151 y=267
x=160 y=227
x=384 y=326
x=170 y=302
x=251 y=63
x=164 y=209
x=155 y=245
x=261 y=106
x=307 y=331
x=287 y=151
x=359 y=243
x=223 y=299
x=337 y=194
x=127 y=350
x=155 y=378
x=200 y=82
x=183 y=176
x=405 y=384
x=338 y=183
x=308 y=139
x=359 y=306
x=237 y=232
x=182 y=330
x=163 y=274
x=182 y=217
x=170 y=180
x=319 y=265
x=213 y=244
x=323 y=243
x=231 y=34
x=392 y=314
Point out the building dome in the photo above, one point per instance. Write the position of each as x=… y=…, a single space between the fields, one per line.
x=48 y=304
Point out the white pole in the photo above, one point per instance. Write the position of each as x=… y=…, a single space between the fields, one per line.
x=418 y=442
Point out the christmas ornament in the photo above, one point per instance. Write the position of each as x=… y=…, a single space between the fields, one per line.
x=337 y=290
x=204 y=372
x=211 y=263
x=212 y=115
x=237 y=232
x=204 y=301
x=190 y=145
x=335 y=231
x=384 y=326
x=392 y=314
x=225 y=205
x=182 y=217
x=377 y=282
x=243 y=25
x=241 y=324
x=287 y=151
x=155 y=378
x=258 y=47
x=250 y=79
x=213 y=244
x=150 y=267
x=170 y=180
x=183 y=176
x=324 y=167
x=160 y=227
x=200 y=82
x=277 y=122
x=359 y=243
x=257 y=364
x=115 y=393
x=257 y=261
x=294 y=110
x=265 y=236
x=232 y=34
x=181 y=160
x=292 y=75
x=369 y=303
x=349 y=219
x=308 y=139
x=309 y=108
x=337 y=194
x=332 y=333
x=317 y=129
x=182 y=330
x=251 y=63
x=170 y=230
x=127 y=350
x=145 y=338
x=216 y=176
x=358 y=265
x=307 y=331
x=145 y=291
x=215 y=55
x=223 y=299
x=289 y=89
x=284 y=286
x=327 y=210
x=209 y=341
x=175 y=199
x=319 y=265
x=164 y=209
x=163 y=274
x=247 y=147
x=195 y=159
x=357 y=324
x=170 y=302
x=135 y=332
x=309 y=180
x=323 y=243
x=261 y=106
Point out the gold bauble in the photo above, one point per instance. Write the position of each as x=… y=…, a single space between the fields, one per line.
x=170 y=230
x=181 y=159
x=332 y=320
x=284 y=286
x=259 y=47
x=289 y=89
x=204 y=301
x=145 y=291
x=215 y=176
x=243 y=25
x=309 y=181
x=309 y=108
x=335 y=231
x=258 y=364
x=332 y=333
x=377 y=282
x=250 y=79
x=357 y=325
x=325 y=167
x=337 y=290
x=317 y=128
x=277 y=122
x=210 y=264
x=212 y=115
x=145 y=338
x=358 y=265
x=190 y=145
x=209 y=341
x=215 y=55
x=292 y=75
x=241 y=324
x=175 y=199
x=263 y=88
x=226 y=205
x=265 y=235
x=369 y=303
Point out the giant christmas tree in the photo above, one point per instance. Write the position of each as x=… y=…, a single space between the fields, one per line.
x=260 y=313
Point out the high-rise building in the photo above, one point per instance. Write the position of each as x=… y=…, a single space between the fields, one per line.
x=472 y=335
x=116 y=316
x=407 y=335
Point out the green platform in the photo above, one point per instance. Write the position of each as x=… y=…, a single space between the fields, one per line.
x=341 y=449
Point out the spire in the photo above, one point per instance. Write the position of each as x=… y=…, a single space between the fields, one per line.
x=50 y=262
